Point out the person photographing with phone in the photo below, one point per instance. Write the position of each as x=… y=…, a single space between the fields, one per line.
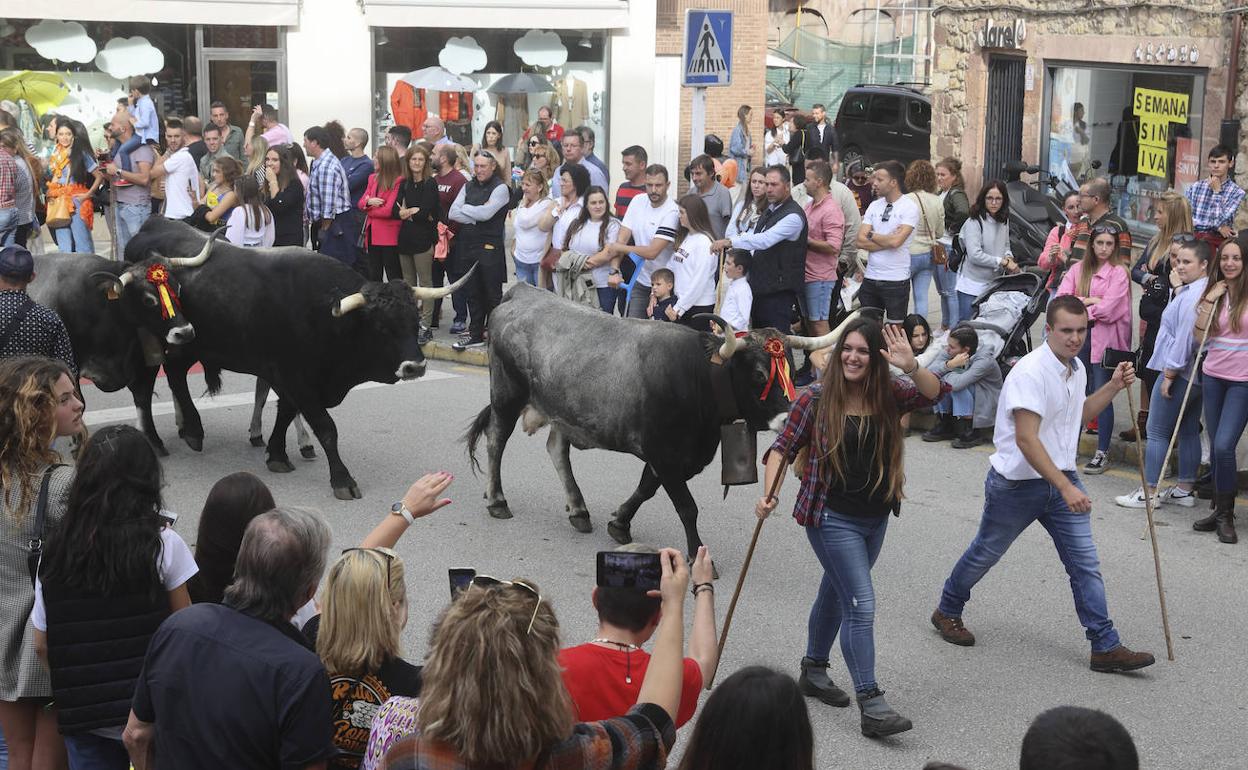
x=604 y=675
x=1041 y=411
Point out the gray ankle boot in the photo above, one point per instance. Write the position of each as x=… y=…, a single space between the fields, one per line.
x=878 y=718
x=814 y=682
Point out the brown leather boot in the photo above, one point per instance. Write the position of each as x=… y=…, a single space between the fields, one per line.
x=1121 y=658
x=1226 y=520
x=952 y=630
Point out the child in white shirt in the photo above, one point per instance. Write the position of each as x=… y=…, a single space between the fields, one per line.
x=738 y=299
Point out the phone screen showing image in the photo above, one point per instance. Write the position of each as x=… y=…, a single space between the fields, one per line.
x=621 y=569
x=460 y=579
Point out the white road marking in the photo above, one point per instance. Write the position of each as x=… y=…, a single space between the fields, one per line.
x=97 y=417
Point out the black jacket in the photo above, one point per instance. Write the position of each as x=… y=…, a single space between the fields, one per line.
x=783 y=266
x=419 y=233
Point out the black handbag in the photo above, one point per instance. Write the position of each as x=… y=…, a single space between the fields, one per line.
x=35 y=546
x=957 y=253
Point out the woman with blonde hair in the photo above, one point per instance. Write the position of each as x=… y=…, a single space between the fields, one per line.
x=921 y=186
x=38 y=403
x=545 y=160
x=1173 y=216
x=493 y=693
x=256 y=151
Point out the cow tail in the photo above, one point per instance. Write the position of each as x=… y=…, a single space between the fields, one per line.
x=212 y=378
x=479 y=424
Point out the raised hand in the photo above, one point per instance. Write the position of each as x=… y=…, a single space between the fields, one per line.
x=898 y=351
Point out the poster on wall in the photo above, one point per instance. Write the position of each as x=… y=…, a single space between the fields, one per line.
x=1186 y=163
x=1156 y=110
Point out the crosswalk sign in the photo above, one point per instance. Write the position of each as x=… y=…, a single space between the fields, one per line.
x=708 y=48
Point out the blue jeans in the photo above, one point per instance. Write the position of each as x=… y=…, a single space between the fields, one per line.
x=130 y=217
x=1163 y=413
x=1009 y=508
x=947 y=285
x=847 y=547
x=77 y=237
x=8 y=226
x=93 y=752
x=964 y=307
x=1226 y=414
x=921 y=271
x=959 y=403
x=526 y=273
x=609 y=299
x=127 y=147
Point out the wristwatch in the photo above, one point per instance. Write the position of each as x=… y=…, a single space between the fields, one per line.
x=614 y=271
x=399 y=509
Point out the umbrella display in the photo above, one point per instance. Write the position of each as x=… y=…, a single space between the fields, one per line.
x=439 y=79
x=43 y=91
x=521 y=83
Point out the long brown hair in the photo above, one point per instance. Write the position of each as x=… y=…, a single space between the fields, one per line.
x=1236 y=295
x=1089 y=264
x=954 y=167
x=747 y=197
x=1178 y=220
x=699 y=218
x=230 y=169
x=583 y=219
x=876 y=398
x=422 y=150
x=27 y=426
x=389 y=169
x=493 y=687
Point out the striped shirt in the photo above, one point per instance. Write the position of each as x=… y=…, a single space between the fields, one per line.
x=327 y=195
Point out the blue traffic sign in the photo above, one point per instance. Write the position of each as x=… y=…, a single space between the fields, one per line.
x=708 y=48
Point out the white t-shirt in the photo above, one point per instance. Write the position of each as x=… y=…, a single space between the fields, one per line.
x=647 y=222
x=585 y=241
x=1039 y=383
x=531 y=242
x=559 y=233
x=738 y=301
x=891 y=264
x=181 y=185
x=238 y=233
x=694 y=266
x=177 y=565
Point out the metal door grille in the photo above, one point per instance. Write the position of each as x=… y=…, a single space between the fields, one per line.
x=1004 y=125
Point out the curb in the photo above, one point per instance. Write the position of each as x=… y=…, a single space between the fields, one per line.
x=441 y=351
x=1119 y=451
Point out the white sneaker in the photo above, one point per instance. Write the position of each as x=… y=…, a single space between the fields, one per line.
x=1098 y=463
x=1135 y=499
x=1176 y=496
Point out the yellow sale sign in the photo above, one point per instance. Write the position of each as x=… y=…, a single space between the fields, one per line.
x=1156 y=110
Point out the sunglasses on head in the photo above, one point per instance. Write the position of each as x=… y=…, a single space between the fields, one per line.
x=534 y=143
x=1105 y=230
x=485 y=581
x=388 y=554
x=1183 y=238
x=888 y=212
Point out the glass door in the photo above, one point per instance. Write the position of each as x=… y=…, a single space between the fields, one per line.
x=242 y=78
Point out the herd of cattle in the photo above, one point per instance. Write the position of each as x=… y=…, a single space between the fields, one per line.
x=314 y=328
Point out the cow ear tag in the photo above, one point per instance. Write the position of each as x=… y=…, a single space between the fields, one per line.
x=112 y=294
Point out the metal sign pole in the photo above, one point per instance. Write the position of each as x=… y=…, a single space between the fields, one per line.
x=697 y=123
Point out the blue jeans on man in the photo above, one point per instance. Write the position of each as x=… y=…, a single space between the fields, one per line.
x=88 y=751
x=1010 y=507
x=847 y=547
x=130 y=217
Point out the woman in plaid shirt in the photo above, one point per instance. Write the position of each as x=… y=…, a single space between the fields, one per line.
x=851 y=481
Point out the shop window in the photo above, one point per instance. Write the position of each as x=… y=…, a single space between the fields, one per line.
x=1094 y=131
x=919 y=114
x=885 y=109
x=237 y=36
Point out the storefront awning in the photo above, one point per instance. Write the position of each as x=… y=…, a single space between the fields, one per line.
x=258 y=13
x=499 y=14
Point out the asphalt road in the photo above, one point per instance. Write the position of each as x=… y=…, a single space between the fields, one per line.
x=970 y=706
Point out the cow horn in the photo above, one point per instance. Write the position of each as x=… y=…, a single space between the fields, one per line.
x=348 y=303
x=199 y=258
x=428 y=293
x=731 y=343
x=826 y=341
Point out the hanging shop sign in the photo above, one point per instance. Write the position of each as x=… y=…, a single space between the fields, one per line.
x=993 y=35
x=1156 y=110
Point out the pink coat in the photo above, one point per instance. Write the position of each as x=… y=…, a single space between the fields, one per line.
x=1111 y=317
x=383 y=225
x=1045 y=261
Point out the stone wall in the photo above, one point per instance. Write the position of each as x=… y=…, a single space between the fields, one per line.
x=1071 y=30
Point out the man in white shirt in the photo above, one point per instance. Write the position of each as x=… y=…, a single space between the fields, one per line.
x=574 y=152
x=1039 y=418
x=650 y=223
x=180 y=172
x=885 y=234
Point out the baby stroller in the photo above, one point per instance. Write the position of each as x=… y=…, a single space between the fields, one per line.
x=1003 y=314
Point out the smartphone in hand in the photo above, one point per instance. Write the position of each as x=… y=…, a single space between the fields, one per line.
x=624 y=569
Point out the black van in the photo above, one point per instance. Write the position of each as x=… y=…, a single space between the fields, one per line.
x=878 y=123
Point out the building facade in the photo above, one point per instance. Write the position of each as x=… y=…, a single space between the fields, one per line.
x=1137 y=93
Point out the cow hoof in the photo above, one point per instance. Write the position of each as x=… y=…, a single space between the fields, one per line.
x=307 y=452
x=194 y=442
x=279 y=466
x=351 y=492
x=581 y=523
x=620 y=533
x=499 y=510
x=257 y=440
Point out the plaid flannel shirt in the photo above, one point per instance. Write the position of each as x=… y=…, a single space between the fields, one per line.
x=799 y=430
x=8 y=180
x=1212 y=210
x=636 y=741
x=327 y=194
x=1083 y=236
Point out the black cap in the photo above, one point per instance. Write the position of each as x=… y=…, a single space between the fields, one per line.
x=16 y=263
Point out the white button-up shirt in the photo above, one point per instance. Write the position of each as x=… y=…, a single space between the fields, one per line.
x=1042 y=384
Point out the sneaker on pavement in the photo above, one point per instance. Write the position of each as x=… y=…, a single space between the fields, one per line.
x=468 y=344
x=952 y=630
x=424 y=336
x=1176 y=496
x=1135 y=499
x=1098 y=463
x=1121 y=658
